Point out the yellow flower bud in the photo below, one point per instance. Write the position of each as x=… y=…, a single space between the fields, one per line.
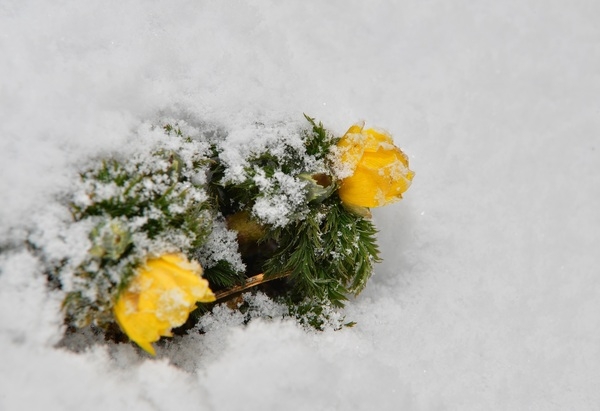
x=161 y=296
x=374 y=171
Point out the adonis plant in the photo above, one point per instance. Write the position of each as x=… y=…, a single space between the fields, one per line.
x=192 y=222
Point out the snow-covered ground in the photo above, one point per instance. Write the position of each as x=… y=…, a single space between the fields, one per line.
x=489 y=296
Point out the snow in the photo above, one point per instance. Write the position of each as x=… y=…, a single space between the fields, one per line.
x=488 y=296
x=221 y=245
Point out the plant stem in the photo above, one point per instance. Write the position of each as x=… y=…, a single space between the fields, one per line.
x=250 y=282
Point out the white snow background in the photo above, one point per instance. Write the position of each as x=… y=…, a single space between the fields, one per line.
x=489 y=295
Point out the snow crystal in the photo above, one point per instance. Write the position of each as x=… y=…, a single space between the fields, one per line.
x=61 y=241
x=341 y=169
x=274 y=210
x=221 y=245
x=282 y=197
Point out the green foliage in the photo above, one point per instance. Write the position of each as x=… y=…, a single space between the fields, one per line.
x=329 y=254
x=284 y=206
x=141 y=206
x=327 y=250
x=316 y=314
x=318 y=139
x=269 y=178
x=223 y=275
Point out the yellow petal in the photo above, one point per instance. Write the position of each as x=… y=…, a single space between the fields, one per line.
x=375 y=139
x=378 y=159
x=160 y=297
x=139 y=327
x=359 y=189
x=146 y=346
x=355 y=129
x=352 y=148
x=380 y=169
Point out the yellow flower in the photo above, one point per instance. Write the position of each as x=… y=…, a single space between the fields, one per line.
x=374 y=171
x=161 y=296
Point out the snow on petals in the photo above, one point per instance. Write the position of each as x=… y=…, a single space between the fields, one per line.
x=375 y=171
x=161 y=296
